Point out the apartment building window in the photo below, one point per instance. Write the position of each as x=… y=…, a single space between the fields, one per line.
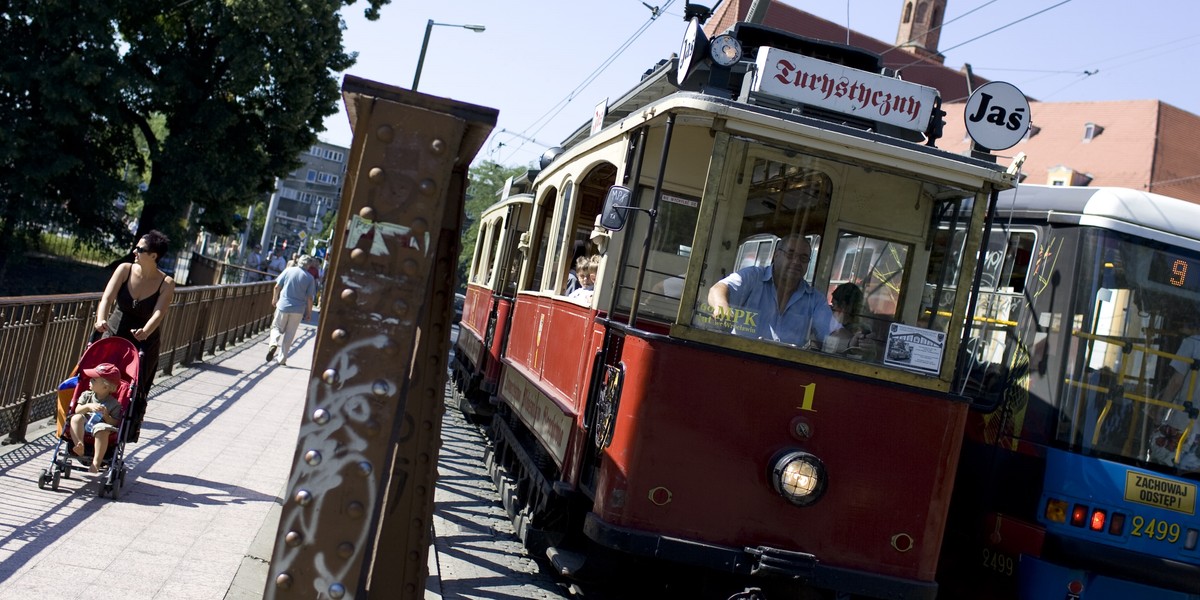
x=312 y=175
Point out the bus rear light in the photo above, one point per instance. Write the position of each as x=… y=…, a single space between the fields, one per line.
x=1056 y=511
x=1079 y=515
x=1189 y=542
x=1098 y=516
x=1116 y=523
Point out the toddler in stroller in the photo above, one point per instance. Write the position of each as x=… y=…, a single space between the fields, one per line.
x=99 y=417
x=97 y=412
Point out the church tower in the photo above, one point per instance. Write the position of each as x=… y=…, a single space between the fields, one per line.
x=920 y=28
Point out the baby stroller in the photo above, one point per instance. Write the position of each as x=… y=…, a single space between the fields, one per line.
x=122 y=354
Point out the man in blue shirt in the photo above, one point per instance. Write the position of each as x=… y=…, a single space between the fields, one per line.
x=293 y=300
x=774 y=303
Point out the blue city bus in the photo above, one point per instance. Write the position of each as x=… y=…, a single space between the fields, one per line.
x=1080 y=468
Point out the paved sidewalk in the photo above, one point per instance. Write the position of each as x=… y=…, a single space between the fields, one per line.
x=198 y=516
x=204 y=484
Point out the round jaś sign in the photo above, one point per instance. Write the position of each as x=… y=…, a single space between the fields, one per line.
x=997 y=115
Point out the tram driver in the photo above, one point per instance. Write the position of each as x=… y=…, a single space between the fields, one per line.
x=775 y=303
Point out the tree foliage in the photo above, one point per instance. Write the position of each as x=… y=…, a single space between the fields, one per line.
x=241 y=88
x=486 y=183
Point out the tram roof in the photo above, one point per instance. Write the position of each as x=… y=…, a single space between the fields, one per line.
x=1136 y=212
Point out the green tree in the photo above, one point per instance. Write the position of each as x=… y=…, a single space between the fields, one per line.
x=63 y=143
x=486 y=183
x=206 y=100
x=244 y=87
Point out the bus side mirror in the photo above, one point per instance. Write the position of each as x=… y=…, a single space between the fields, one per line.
x=616 y=202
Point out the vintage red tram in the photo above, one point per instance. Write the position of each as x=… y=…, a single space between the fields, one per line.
x=491 y=286
x=659 y=417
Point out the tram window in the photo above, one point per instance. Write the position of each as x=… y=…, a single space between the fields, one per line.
x=564 y=215
x=779 y=225
x=671 y=247
x=541 y=236
x=493 y=255
x=477 y=261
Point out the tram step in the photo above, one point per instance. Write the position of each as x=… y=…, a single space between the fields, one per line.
x=566 y=562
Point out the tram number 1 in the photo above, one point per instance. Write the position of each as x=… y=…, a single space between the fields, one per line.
x=998 y=562
x=810 y=394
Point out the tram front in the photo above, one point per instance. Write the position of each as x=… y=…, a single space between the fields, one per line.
x=775 y=392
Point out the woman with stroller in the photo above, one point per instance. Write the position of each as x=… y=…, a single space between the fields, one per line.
x=141 y=294
x=97 y=412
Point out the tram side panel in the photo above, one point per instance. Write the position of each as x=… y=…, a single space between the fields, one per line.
x=689 y=418
x=548 y=362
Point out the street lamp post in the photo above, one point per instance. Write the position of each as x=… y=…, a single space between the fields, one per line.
x=425 y=45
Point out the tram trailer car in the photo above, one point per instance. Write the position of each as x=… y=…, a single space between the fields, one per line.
x=491 y=288
x=640 y=420
x=1079 y=475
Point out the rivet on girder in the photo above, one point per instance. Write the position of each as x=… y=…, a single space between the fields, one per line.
x=312 y=457
x=321 y=416
x=337 y=591
x=293 y=538
x=283 y=580
x=303 y=497
x=330 y=376
x=381 y=387
x=364 y=468
x=385 y=134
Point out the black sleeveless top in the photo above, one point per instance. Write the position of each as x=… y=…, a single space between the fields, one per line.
x=135 y=313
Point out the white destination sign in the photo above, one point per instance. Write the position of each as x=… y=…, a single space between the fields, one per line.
x=800 y=78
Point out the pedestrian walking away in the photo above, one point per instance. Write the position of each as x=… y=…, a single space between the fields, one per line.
x=293 y=299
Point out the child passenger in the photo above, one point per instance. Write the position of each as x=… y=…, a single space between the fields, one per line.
x=97 y=412
x=587 y=269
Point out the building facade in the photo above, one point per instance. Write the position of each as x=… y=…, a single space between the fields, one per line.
x=301 y=200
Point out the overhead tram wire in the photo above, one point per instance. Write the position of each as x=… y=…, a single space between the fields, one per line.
x=562 y=104
x=981 y=36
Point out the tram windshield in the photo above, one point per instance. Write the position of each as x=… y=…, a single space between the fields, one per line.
x=1130 y=387
x=833 y=257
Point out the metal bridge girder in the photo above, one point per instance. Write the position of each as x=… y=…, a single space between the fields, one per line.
x=358 y=507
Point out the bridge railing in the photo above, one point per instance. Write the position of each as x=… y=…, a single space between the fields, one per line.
x=42 y=338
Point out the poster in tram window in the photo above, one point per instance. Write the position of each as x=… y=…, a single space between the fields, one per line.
x=914 y=348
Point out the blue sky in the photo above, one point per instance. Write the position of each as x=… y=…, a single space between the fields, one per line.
x=533 y=60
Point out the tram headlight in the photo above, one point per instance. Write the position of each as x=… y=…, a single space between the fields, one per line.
x=799 y=477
